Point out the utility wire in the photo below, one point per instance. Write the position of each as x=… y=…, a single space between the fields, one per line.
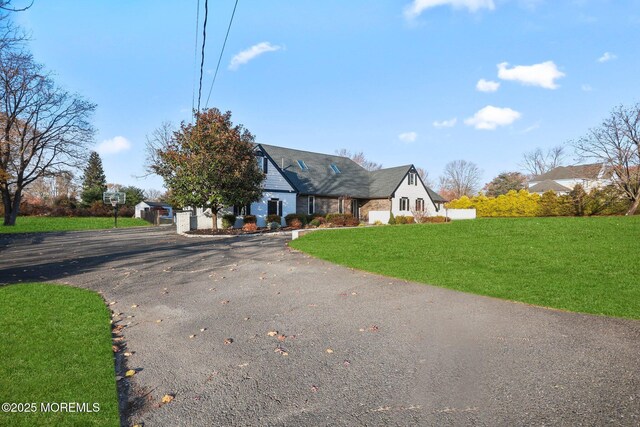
x=204 y=42
x=221 y=52
x=195 y=59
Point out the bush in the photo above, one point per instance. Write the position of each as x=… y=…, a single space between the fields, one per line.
x=97 y=208
x=274 y=218
x=228 y=220
x=435 y=219
x=291 y=217
x=392 y=219
x=250 y=227
x=338 y=219
x=317 y=221
x=249 y=219
x=405 y=219
x=352 y=221
x=275 y=225
x=295 y=223
x=378 y=222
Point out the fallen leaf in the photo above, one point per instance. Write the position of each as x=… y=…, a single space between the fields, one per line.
x=373 y=328
x=282 y=337
x=224 y=301
x=361 y=329
x=354 y=293
x=115 y=348
x=329 y=350
x=159 y=320
x=346 y=363
x=192 y=336
x=134 y=306
x=228 y=341
x=112 y=303
x=130 y=373
x=127 y=354
x=119 y=377
x=272 y=333
x=314 y=388
x=203 y=329
x=167 y=398
x=282 y=351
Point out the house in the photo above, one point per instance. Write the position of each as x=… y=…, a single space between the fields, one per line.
x=564 y=178
x=310 y=183
x=166 y=211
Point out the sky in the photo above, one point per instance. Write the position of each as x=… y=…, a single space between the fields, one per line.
x=421 y=82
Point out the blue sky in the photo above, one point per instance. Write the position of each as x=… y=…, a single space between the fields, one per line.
x=423 y=82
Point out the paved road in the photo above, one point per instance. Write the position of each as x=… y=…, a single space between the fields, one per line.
x=354 y=348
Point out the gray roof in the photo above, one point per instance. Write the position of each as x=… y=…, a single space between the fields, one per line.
x=548 y=184
x=321 y=180
x=157 y=204
x=590 y=171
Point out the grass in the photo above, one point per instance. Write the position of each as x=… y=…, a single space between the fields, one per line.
x=55 y=343
x=586 y=265
x=38 y=224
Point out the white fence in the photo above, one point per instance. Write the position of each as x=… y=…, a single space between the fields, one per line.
x=460 y=213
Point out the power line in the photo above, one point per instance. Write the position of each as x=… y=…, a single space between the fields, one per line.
x=221 y=53
x=195 y=59
x=204 y=42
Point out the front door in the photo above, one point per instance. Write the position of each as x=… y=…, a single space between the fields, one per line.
x=355 y=208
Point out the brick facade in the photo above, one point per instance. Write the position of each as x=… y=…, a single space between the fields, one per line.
x=374 y=205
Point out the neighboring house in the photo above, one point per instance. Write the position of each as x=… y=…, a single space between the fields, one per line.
x=166 y=211
x=564 y=178
x=313 y=183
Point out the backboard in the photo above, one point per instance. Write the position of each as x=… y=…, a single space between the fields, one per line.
x=114 y=197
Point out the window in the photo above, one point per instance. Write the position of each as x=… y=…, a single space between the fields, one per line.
x=263 y=163
x=311 y=205
x=302 y=165
x=341 y=206
x=404 y=204
x=241 y=210
x=420 y=205
x=274 y=207
x=335 y=168
x=413 y=179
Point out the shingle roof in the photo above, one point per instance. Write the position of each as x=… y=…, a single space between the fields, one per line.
x=590 y=171
x=435 y=196
x=320 y=179
x=157 y=204
x=546 y=185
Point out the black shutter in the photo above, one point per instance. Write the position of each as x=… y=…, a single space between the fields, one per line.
x=280 y=207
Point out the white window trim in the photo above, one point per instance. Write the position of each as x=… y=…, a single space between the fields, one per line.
x=311 y=205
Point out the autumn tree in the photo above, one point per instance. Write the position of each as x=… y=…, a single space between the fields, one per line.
x=207 y=164
x=424 y=175
x=460 y=178
x=616 y=144
x=360 y=159
x=94 y=181
x=44 y=128
x=537 y=162
x=505 y=182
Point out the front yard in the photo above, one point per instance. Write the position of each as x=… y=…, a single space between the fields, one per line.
x=55 y=343
x=38 y=224
x=579 y=264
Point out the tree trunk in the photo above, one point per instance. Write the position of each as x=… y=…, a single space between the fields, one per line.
x=634 y=207
x=10 y=207
x=214 y=218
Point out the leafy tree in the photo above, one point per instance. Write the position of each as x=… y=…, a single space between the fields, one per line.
x=579 y=199
x=134 y=194
x=94 y=181
x=460 y=178
x=616 y=143
x=549 y=204
x=504 y=183
x=210 y=163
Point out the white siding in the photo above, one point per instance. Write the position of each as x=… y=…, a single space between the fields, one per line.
x=139 y=208
x=259 y=208
x=275 y=180
x=412 y=192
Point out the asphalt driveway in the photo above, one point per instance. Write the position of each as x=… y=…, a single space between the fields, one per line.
x=245 y=331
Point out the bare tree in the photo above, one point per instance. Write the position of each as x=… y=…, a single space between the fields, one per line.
x=616 y=143
x=424 y=175
x=360 y=159
x=153 y=195
x=44 y=129
x=460 y=178
x=537 y=162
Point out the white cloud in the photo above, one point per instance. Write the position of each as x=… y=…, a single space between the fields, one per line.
x=418 y=6
x=586 y=88
x=254 y=51
x=113 y=145
x=491 y=117
x=408 y=137
x=487 y=85
x=531 y=128
x=543 y=74
x=607 y=56
x=445 y=123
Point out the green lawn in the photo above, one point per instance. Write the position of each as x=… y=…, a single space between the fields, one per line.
x=55 y=343
x=587 y=265
x=37 y=224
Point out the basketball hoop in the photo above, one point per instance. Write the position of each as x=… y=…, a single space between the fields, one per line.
x=114 y=202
